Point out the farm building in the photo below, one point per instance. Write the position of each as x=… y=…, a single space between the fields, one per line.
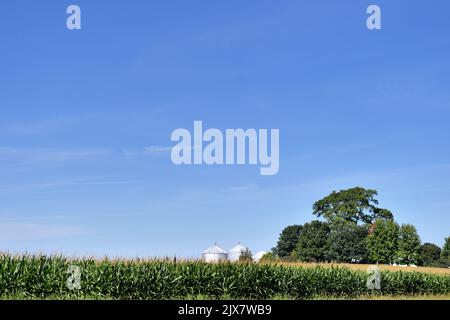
x=217 y=254
x=214 y=254
x=258 y=256
x=235 y=253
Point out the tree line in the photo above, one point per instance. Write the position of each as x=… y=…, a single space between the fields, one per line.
x=354 y=229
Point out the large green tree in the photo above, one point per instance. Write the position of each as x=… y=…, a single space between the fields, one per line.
x=429 y=254
x=313 y=242
x=445 y=253
x=353 y=205
x=287 y=242
x=382 y=241
x=346 y=243
x=408 y=245
x=246 y=256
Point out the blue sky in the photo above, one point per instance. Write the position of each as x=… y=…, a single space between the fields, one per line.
x=86 y=116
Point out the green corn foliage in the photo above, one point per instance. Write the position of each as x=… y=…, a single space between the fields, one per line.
x=43 y=277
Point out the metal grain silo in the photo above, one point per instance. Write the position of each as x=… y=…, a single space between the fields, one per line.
x=214 y=254
x=235 y=253
x=258 y=256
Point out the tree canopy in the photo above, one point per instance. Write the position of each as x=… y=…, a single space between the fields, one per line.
x=246 y=256
x=382 y=242
x=352 y=205
x=429 y=254
x=356 y=230
x=346 y=243
x=287 y=242
x=445 y=253
x=408 y=245
x=313 y=242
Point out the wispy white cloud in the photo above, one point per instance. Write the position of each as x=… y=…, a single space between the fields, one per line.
x=147 y=151
x=17 y=217
x=242 y=188
x=66 y=184
x=309 y=189
x=154 y=151
x=157 y=150
x=14 y=231
x=50 y=154
x=41 y=126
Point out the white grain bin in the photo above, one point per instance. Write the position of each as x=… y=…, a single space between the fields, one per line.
x=258 y=256
x=214 y=254
x=235 y=253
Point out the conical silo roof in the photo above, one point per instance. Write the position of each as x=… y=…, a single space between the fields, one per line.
x=215 y=249
x=238 y=249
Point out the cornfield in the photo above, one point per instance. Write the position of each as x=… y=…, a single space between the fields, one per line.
x=45 y=277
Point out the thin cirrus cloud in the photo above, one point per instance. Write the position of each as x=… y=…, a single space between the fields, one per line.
x=43 y=126
x=65 y=185
x=34 y=231
x=50 y=154
x=154 y=150
x=147 y=151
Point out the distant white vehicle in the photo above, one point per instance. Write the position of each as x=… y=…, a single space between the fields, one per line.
x=259 y=255
x=235 y=253
x=403 y=265
x=214 y=254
